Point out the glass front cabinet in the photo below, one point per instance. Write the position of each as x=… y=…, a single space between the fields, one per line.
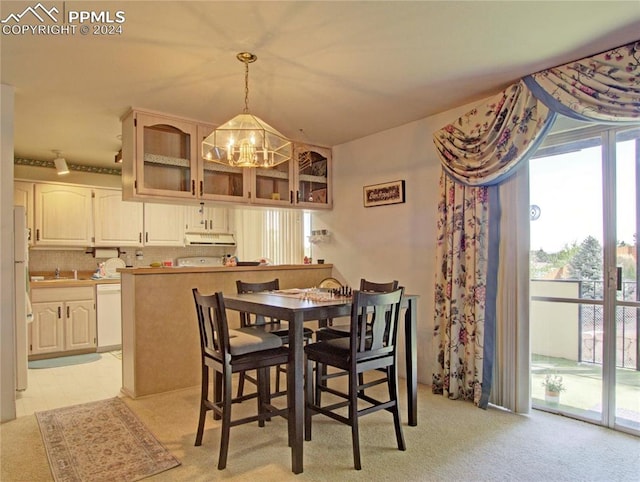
x=162 y=159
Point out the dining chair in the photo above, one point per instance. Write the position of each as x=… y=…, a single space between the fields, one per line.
x=332 y=331
x=268 y=325
x=371 y=345
x=227 y=352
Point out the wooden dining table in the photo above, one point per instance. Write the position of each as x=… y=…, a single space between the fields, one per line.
x=297 y=310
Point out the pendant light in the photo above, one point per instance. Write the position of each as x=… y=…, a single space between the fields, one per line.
x=246 y=140
x=61 y=164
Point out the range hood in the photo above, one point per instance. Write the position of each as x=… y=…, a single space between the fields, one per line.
x=209 y=239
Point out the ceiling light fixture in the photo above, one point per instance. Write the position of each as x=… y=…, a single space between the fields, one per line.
x=246 y=140
x=61 y=164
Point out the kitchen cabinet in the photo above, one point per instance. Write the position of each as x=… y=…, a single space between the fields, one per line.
x=313 y=175
x=63 y=215
x=23 y=196
x=64 y=320
x=159 y=156
x=217 y=182
x=162 y=159
x=205 y=219
x=163 y=224
x=116 y=222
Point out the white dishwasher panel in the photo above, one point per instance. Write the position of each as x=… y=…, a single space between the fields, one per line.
x=109 y=317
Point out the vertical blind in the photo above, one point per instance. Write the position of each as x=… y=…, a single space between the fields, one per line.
x=275 y=234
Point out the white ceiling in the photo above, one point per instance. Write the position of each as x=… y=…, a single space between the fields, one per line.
x=327 y=72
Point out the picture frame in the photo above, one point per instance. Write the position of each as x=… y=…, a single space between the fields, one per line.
x=383 y=194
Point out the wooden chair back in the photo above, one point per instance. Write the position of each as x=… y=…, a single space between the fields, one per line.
x=212 y=324
x=246 y=319
x=376 y=337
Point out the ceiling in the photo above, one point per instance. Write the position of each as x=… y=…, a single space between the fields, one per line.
x=327 y=72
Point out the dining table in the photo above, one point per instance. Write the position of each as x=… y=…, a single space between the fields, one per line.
x=300 y=306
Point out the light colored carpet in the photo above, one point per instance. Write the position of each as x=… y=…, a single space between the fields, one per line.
x=101 y=441
x=453 y=441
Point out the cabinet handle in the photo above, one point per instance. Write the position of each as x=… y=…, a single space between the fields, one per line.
x=210 y=223
x=193 y=187
x=201 y=188
x=298 y=197
x=146 y=237
x=140 y=237
x=291 y=197
x=59 y=312
x=68 y=312
x=38 y=234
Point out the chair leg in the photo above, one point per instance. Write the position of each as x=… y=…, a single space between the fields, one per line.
x=308 y=398
x=353 y=418
x=204 y=393
x=321 y=379
x=226 y=421
x=392 y=379
x=262 y=375
x=241 y=385
x=217 y=391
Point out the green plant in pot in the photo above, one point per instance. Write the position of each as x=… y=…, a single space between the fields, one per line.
x=553 y=385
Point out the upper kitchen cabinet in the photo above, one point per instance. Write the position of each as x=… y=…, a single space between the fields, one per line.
x=23 y=196
x=272 y=186
x=217 y=182
x=116 y=222
x=63 y=215
x=313 y=176
x=160 y=156
x=163 y=224
x=205 y=219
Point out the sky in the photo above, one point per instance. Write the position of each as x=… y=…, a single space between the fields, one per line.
x=568 y=190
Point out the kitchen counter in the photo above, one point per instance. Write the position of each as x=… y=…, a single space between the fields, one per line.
x=160 y=340
x=67 y=281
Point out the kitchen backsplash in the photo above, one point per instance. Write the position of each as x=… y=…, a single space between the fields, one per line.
x=67 y=260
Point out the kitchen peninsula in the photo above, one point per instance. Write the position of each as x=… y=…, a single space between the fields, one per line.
x=160 y=340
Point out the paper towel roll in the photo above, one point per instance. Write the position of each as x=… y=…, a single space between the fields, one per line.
x=105 y=253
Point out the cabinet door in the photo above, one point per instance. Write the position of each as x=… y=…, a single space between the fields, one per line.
x=166 y=156
x=163 y=225
x=218 y=182
x=272 y=186
x=80 y=325
x=63 y=215
x=46 y=332
x=23 y=196
x=116 y=222
x=205 y=219
x=313 y=176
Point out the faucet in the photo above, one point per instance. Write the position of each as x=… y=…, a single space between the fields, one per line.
x=57 y=273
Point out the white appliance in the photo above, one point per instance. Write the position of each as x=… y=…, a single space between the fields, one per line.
x=109 y=316
x=22 y=305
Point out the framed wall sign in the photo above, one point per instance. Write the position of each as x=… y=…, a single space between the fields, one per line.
x=386 y=193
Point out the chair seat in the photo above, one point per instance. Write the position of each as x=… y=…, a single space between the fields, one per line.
x=247 y=340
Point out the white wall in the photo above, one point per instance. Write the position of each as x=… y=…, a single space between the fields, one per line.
x=395 y=241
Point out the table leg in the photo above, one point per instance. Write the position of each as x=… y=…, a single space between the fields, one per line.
x=411 y=347
x=295 y=392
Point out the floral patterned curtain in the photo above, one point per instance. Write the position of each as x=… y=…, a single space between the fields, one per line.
x=483 y=148
x=461 y=284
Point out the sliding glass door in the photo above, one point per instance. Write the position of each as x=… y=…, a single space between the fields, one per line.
x=584 y=272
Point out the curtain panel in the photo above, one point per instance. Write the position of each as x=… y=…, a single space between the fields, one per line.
x=483 y=148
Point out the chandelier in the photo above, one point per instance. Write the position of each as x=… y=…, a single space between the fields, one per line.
x=246 y=140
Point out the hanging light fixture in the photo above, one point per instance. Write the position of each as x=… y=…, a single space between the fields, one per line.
x=61 y=164
x=246 y=140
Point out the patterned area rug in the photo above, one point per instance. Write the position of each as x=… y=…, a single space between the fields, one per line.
x=101 y=441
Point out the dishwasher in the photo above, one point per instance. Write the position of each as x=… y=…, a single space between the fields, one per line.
x=109 y=317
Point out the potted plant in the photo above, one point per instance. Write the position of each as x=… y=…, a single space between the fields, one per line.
x=553 y=385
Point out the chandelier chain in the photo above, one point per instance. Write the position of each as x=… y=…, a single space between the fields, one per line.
x=246 y=88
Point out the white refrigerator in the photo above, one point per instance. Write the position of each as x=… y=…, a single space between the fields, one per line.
x=22 y=310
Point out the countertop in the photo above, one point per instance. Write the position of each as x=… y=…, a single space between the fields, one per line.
x=66 y=280
x=223 y=269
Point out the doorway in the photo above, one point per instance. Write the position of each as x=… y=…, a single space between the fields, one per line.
x=584 y=310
